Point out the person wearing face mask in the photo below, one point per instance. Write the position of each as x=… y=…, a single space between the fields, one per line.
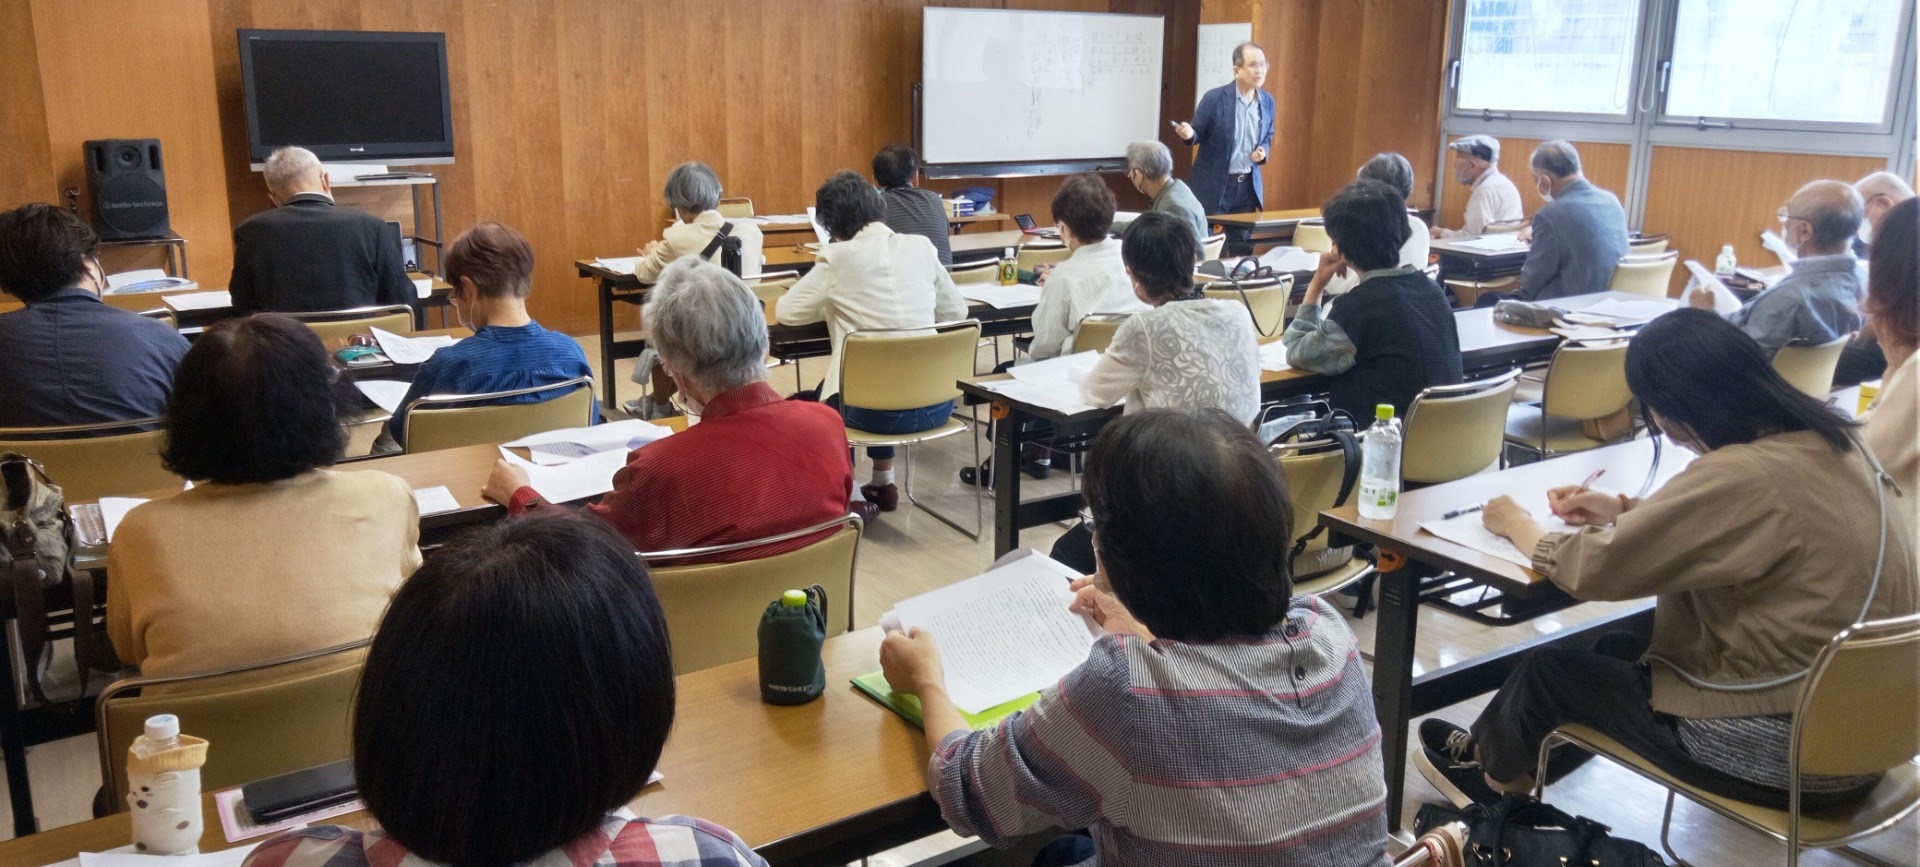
x=306 y=254
x=1150 y=170
x=1494 y=198
x=1879 y=192
x=1233 y=127
x=1578 y=237
x=756 y=465
x=1820 y=300
x=1779 y=535
x=491 y=269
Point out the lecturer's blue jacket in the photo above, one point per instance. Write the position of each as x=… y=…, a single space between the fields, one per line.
x=1213 y=132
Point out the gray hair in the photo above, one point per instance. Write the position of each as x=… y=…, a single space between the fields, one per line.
x=1150 y=158
x=1556 y=158
x=707 y=325
x=1884 y=184
x=290 y=168
x=1833 y=208
x=693 y=187
x=1391 y=169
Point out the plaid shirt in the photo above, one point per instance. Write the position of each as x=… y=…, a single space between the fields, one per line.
x=621 y=841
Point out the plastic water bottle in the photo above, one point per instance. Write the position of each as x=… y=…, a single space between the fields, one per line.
x=791 y=632
x=163 y=788
x=1726 y=263
x=1380 y=466
x=1009 y=268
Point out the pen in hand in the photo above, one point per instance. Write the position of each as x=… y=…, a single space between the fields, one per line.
x=1584 y=487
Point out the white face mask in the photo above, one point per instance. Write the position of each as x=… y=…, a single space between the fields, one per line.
x=1866 y=232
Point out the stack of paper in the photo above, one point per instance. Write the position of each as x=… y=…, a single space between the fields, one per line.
x=1053 y=384
x=199 y=300
x=434 y=500
x=127 y=278
x=1724 y=301
x=409 y=350
x=617 y=264
x=1284 y=259
x=587 y=477
x=1273 y=356
x=113 y=509
x=571 y=444
x=423 y=286
x=1471 y=530
x=1001 y=297
x=1493 y=243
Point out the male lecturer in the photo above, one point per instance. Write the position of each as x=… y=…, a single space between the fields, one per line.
x=1234 y=128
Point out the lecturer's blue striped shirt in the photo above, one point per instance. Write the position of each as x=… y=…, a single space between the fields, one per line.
x=498 y=358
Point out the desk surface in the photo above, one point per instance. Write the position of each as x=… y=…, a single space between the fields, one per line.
x=731 y=759
x=1265 y=219
x=1453 y=247
x=140 y=302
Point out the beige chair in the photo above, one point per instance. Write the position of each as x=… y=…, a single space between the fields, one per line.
x=1645 y=275
x=1041 y=254
x=1584 y=383
x=259 y=720
x=1809 y=367
x=1469 y=291
x=1455 y=431
x=1266 y=301
x=449 y=421
x=1312 y=237
x=90 y=461
x=1510 y=227
x=910 y=368
x=1313 y=471
x=336 y=324
x=1211 y=247
x=1095 y=332
x=162 y=314
x=1858 y=712
x=736 y=206
x=770 y=286
x=713 y=609
x=984 y=272
x=1647 y=246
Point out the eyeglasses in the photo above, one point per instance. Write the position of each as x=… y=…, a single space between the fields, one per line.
x=1259 y=64
x=1784 y=216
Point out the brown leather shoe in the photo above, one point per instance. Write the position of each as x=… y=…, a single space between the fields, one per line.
x=887 y=496
x=865 y=509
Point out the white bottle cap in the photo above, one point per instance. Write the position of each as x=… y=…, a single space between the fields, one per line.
x=1007 y=253
x=163 y=726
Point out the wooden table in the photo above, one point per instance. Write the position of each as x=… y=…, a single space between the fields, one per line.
x=1459 y=262
x=390 y=369
x=142 y=302
x=826 y=782
x=1265 y=227
x=1409 y=555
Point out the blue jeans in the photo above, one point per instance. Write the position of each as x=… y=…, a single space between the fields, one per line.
x=892 y=421
x=1065 y=851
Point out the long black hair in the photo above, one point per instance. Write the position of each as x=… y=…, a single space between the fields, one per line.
x=1696 y=369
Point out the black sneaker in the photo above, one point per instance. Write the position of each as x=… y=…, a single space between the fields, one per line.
x=1446 y=758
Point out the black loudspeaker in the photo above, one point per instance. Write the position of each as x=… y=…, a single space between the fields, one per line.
x=128 y=184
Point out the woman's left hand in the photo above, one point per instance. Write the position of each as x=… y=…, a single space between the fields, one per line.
x=911 y=661
x=1505 y=517
x=503 y=481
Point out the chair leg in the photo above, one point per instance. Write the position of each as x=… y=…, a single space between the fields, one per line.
x=979 y=521
x=1666 y=836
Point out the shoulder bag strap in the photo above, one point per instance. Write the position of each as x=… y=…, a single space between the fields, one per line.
x=30 y=603
x=719 y=238
x=1350 y=451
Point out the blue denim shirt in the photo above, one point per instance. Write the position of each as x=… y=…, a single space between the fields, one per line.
x=498 y=358
x=1817 y=303
x=71 y=359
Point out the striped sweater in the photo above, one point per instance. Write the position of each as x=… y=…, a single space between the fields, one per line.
x=1261 y=751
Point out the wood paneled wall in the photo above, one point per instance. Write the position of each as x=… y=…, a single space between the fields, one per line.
x=1605 y=164
x=26 y=171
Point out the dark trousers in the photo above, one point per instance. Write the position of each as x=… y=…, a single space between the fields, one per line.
x=1074 y=548
x=1066 y=850
x=1608 y=690
x=1238 y=197
x=1860 y=362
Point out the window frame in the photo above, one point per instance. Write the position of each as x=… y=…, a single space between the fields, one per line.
x=1636 y=84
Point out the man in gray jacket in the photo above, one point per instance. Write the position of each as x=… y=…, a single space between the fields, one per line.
x=1578 y=237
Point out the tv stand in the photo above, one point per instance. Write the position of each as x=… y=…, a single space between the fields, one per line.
x=414 y=180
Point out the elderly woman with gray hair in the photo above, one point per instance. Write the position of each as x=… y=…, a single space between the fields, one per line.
x=1395 y=171
x=756 y=465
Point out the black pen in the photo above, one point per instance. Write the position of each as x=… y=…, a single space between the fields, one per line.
x=1458 y=512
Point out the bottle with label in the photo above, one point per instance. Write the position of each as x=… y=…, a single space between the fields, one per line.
x=1726 y=263
x=1009 y=268
x=791 y=632
x=163 y=788
x=1380 y=466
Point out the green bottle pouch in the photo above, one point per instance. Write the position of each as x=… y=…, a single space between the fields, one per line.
x=791 y=632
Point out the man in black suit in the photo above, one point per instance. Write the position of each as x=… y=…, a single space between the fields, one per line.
x=306 y=254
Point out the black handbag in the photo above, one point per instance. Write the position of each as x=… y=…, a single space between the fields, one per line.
x=1315 y=421
x=1522 y=832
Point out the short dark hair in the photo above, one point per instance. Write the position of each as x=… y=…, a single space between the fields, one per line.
x=1159 y=483
x=1367 y=220
x=1893 y=275
x=846 y=203
x=43 y=249
x=519 y=689
x=255 y=400
x=1085 y=205
x=1391 y=169
x=496 y=258
x=894 y=166
x=1240 y=52
x=1697 y=369
x=1160 y=250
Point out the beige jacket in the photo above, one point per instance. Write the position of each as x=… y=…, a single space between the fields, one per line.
x=224 y=575
x=688 y=239
x=1759 y=554
x=1893 y=432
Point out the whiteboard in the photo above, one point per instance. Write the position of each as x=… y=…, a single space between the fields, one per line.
x=1002 y=86
x=1215 y=65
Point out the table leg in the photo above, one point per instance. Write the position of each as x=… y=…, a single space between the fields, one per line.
x=1006 y=479
x=609 y=397
x=1393 y=644
x=13 y=740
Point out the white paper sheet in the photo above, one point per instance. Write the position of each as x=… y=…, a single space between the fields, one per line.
x=125 y=857
x=423 y=286
x=112 y=509
x=1001 y=297
x=409 y=350
x=1778 y=246
x=1273 y=356
x=617 y=264
x=1060 y=371
x=199 y=300
x=1724 y=301
x=434 y=500
x=819 y=232
x=563 y=446
x=1623 y=311
x=385 y=393
x=590 y=476
x=127 y=278
x=1471 y=530
x=236 y=821
x=1507 y=241
x=1285 y=259
x=1004 y=633
x=1059 y=398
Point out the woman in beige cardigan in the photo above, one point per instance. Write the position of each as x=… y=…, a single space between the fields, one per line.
x=270 y=554
x=1779 y=535
x=1893 y=305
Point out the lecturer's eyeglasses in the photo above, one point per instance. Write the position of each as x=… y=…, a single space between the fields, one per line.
x=1785 y=217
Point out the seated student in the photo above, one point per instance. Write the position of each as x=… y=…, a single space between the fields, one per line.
x=271 y=553
x=67 y=357
x=1893 y=301
x=1393 y=333
x=1879 y=193
x=911 y=210
x=1760 y=551
x=1820 y=300
x=871 y=277
x=1578 y=236
x=551 y=699
x=307 y=253
x=1495 y=199
x=1186 y=352
x=1221 y=720
x=756 y=465
x=1092 y=279
x=1394 y=171
x=1150 y=170
x=491 y=269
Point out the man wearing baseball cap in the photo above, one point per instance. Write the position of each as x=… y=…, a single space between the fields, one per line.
x=1495 y=199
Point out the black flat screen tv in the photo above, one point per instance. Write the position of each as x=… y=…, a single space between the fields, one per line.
x=347 y=95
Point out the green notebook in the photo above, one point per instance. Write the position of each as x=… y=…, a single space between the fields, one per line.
x=908 y=706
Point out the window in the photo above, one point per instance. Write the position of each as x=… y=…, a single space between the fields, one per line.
x=1818 y=61
x=1556 y=56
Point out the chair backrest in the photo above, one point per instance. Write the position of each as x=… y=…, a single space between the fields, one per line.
x=735 y=206
x=91 y=461
x=162 y=314
x=1644 y=275
x=1809 y=367
x=1041 y=254
x=907 y=368
x=985 y=272
x=713 y=609
x=1454 y=431
x=1859 y=709
x=1211 y=246
x=770 y=286
x=448 y=421
x=1095 y=332
x=1313 y=472
x=1585 y=381
x=1312 y=237
x=1510 y=227
x=260 y=720
x=336 y=324
x=1647 y=246
x=1265 y=300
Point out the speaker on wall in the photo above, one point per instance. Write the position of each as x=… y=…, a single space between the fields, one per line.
x=128 y=184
